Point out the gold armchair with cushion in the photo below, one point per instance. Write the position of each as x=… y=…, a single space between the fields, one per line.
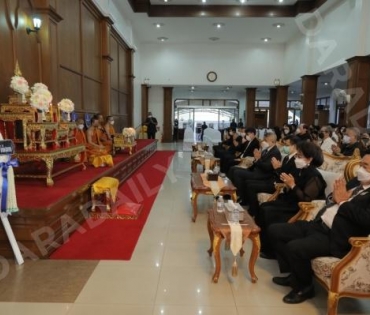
x=349 y=276
x=337 y=163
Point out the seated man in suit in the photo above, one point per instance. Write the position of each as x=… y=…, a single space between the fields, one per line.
x=350 y=142
x=261 y=168
x=254 y=187
x=295 y=244
x=250 y=142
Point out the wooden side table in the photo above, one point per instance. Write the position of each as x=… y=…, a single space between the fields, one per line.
x=219 y=229
x=198 y=187
x=197 y=159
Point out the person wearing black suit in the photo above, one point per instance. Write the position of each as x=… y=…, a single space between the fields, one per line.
x=254 y=187
x=295 y=244
x=261 y=167
x=250 y=143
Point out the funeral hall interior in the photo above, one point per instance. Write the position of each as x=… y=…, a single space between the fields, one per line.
x=185 y=62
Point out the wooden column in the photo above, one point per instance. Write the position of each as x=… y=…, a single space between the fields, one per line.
x=281 y=107
x=106 y=25
x=131 y=87
x=144 y=102
x=272 y=116
x=309 y=90
x=249 y=106
x=167 y=114
x=358 y=87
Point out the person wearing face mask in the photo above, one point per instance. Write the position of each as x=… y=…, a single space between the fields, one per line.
x=254 y=187
x=261 y=168
x=225 y=144
x=295 y=244
x=97 y=153
x=350 y=142
x=305 y=184
x=109 y=126
x=151 y=123
x=80 y=139
x=327 y=142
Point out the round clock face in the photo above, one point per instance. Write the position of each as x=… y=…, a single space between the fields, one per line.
x=211 y=76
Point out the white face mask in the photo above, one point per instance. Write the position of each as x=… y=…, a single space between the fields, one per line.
x=248 y=138
x=363 y=175
x=112 y=122
x=81 y=127
x=243 y=134
x=298 y=131
x=150 y=116
x=300 y=163
x=286 y=131
x=346 y=139
x=264 y=145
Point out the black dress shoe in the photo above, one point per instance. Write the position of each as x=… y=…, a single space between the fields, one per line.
x=294 y=297
x=266 y=255
x=284 y=281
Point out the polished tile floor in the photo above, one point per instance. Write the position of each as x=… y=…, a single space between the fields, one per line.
x=169 y=273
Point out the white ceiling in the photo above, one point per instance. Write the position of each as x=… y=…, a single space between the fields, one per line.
x=248 y=31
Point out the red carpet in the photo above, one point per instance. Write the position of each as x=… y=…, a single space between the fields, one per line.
x=116 y=239
x=33 y=193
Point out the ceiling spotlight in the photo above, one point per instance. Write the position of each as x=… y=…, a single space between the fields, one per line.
x=218 y=25
x=266 y=39
x=326 y=83
x=292 y=92
x=278 y=25
x=242 y=1
x=162 y=39
x=193 y=87
x=158 y=25
x=204 y=1
x=213 y=39
x=280 y=1
x=165 y=1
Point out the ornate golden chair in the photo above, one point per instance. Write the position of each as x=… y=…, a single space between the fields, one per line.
x=337 y=163
x=350 y=275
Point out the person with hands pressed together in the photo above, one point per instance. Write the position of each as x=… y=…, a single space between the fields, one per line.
x=305 y=184
x=296 y=244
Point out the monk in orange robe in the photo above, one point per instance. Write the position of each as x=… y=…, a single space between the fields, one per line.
x=109 y=127
x=97 y=153
x=104 y=137
x=81 y=139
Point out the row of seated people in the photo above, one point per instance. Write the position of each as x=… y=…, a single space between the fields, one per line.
x=303 y=182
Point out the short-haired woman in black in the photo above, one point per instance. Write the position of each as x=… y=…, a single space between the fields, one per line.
x=305 y=184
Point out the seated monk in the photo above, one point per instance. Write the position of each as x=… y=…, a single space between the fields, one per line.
x=108 y=127
x=104 y=137
x=97 y=153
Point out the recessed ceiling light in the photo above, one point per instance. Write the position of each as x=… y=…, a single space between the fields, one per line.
x=158 y=25
x=278 y=25
x=218 y=25
x=162 y=39
x=292 y=92
x=214 y=38
x=193 y=87
x=204 y=1
x=242 y=1
x=266 y=39
x=165 y=1
x=326 y=83
x=280 y=1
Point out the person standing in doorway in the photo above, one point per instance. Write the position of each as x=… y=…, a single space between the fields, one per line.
x=151 y=123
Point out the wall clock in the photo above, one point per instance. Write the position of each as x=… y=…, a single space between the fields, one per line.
x=211 y=76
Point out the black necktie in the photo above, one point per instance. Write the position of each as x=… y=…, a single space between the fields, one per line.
x=264 y=152
x=286 y=159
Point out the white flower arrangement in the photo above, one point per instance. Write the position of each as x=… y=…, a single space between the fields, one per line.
x=41 y=99
x=39 y=86
x=19 y=84
x=129 y=132
x=66 y=105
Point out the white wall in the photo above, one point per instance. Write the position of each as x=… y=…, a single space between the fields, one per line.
x=334 y=37
x=176 y=64
x=156 y=97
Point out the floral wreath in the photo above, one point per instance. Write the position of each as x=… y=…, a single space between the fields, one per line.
x=19 y=84
x=66 y=105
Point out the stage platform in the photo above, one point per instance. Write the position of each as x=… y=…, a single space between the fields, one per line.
x=48 y=215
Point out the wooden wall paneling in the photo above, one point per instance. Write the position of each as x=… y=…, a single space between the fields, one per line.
x=167 y=114
x=54 y=69
x=123 y=105
x=53 y=4
x=114 y=63
x=92 y=95
x=114 y=101
x=70 y=35
x=70 y=85
x=123 y=74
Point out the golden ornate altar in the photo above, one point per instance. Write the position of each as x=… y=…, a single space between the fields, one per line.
x=122 y=142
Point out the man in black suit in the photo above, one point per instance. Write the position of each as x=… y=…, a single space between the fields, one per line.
x=295 y=244
x=249 y=143
x=254 y=187
x=261 y=167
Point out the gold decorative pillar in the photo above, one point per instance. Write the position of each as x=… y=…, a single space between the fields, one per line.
x=309 y=91
x=249 y=107
x=358 y=87
x=106 y=25
x=167 y=114
x=281 y=116
x=272 y=116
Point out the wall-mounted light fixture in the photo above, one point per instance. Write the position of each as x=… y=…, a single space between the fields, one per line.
x=36 y=26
